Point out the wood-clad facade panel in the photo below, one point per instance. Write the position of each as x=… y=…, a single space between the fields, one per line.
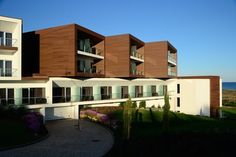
x=155 y=59
x=58 y=51
x=117 y=56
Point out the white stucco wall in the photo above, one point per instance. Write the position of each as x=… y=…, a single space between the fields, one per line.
x=194 y=96
x=14 y=26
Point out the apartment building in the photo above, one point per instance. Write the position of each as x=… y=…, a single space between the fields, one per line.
x=67 y=66
x=10 y=48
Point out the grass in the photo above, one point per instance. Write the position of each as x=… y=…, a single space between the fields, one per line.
x=188 y=135
x=229 y=98
x=14 y=132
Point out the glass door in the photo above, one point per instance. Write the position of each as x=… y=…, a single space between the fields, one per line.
x=8 y=68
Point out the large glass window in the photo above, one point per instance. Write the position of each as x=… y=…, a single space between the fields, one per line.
x=33 y=96
x=1 y=38
x=8 y=68
x=8 y=40
x=5 y=39
x=87 y=93
x=5 y=68
x=61 y=94
x=154 y=90
x=106 y=92
x=1 y=68
x=138 y=91
x=6 y=96
x=124 y=92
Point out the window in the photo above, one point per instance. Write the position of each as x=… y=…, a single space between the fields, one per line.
x=138 y=91
x=154 y=90
x=106 y=92
x=124 y=92
x=61 y=94
x=33 y=96
x=178 y=102
x=87 y=93
x=5 y=68
x=1 y=39
x=6 y=96
x=178 y=88
x=5 y=39
x=8 y=39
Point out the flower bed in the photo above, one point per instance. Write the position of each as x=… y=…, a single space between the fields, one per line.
x=98 y=117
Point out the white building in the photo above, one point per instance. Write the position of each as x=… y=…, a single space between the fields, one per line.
x=58 y=97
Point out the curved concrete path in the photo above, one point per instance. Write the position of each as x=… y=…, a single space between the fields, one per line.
x=66 y=140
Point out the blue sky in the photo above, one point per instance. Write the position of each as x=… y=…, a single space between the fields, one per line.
x=203 y=31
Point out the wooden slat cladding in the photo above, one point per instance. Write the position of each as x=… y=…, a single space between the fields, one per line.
x=155 y=59
x=215 y=96
x=117 y=56
x=214 y=92
x=58 y=51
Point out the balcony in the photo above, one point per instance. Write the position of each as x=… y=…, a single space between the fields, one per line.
x=172 y=73
x=34 y=100
x=92 y=53
x=7 y=72
x=7 y=45
x=90 y=72
x=171 y=59
x=136 y=56
x=24 y=101
x=136 y=72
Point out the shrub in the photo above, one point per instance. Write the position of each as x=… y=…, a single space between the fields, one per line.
x=166 y=110
x=34 y=122
x=122 y=104
x=134 y=104
x=153 y=106
x=142 y=104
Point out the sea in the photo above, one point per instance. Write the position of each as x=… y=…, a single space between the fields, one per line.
x=229 y=85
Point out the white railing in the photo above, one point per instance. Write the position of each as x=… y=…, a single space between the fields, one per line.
x=136 y=72
x=92 y=50
x=90 y=70
x=136 y=54
x=171 y=59
x=7 y=42
x=7 y=72
x=171 y=73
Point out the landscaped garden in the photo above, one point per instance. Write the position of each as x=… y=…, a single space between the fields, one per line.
x=186 y=135
x=19 y=126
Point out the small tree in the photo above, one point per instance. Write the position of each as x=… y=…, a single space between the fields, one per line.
x=142 y=104
x=166 y=109
x=127 y=117
x=134 y=104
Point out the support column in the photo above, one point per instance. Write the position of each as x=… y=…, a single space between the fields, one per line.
x=42 y=111
x=75 y=94
x=18 y=96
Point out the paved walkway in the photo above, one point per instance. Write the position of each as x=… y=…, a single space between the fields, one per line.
x=66 y=140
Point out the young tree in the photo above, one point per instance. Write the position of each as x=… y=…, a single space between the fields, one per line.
x=127 y=117
x=166 y=109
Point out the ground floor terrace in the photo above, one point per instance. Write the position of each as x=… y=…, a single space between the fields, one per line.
x=58 y=98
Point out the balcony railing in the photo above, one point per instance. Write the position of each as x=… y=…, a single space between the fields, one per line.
x=99 y=97
x=7 y=42
x=7 y=72
x=136 y=54
x=171 y=59
x=172 y=73
x=93 y=70
x=23 y=101
x=136 y=72
x=92 y=52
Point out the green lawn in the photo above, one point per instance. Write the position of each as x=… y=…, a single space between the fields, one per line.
x=14 y=132
x=188 y=135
